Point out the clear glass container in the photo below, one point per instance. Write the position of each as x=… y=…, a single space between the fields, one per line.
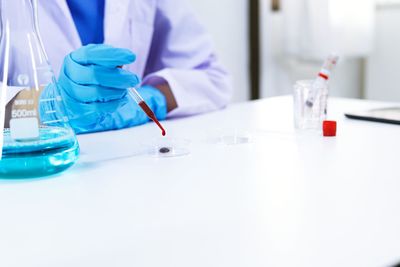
x=309 y=116
x=37 y=138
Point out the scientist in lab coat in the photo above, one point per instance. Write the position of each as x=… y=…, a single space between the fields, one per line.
x=159 y=42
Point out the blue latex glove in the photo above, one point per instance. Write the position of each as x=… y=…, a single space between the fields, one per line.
x=94 y=90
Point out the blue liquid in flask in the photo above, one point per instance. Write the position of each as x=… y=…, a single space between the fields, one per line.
x=54 y=151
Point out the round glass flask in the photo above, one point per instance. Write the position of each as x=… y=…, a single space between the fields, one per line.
x=37 y=138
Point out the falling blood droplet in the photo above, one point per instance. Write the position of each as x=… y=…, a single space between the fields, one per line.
x=160 y=126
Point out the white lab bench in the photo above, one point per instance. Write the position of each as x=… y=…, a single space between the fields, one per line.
x=284 y=199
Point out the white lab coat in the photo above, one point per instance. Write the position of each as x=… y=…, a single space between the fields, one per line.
x=186 y=60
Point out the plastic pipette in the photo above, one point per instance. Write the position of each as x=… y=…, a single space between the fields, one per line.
x=323 y=77
x=139 y=100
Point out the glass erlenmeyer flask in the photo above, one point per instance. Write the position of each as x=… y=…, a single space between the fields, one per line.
x=37 y=138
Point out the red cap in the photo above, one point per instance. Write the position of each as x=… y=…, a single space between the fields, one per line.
x=329 y=128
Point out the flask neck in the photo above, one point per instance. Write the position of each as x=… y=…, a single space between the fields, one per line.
x=20 y=15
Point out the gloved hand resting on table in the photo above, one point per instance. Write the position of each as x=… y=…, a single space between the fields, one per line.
x=95 y=90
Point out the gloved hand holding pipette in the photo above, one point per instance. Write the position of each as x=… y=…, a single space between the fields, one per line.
x=95 y=91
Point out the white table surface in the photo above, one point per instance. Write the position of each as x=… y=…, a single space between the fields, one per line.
x=285 y=199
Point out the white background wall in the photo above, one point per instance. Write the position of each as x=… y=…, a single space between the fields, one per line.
x=374 y=78
x=280 y=71
x=383 y=68
x=226 y=21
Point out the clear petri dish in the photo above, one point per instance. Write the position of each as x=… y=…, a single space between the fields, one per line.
x=170 y=147
x=230 y=137
x=232 y=140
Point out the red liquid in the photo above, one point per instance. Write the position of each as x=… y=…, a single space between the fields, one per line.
x=151 y=115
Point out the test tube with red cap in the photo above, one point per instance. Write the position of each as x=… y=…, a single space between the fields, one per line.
x=322 y=79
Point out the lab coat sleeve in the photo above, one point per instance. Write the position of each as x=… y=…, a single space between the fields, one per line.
x=182 y=54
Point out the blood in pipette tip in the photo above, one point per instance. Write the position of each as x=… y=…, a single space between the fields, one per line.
x=149 y=112
x=151 y=115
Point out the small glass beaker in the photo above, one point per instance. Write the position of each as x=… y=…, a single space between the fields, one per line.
x=309 y=105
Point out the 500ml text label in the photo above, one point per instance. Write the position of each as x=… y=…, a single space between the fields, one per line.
x=23 y=113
